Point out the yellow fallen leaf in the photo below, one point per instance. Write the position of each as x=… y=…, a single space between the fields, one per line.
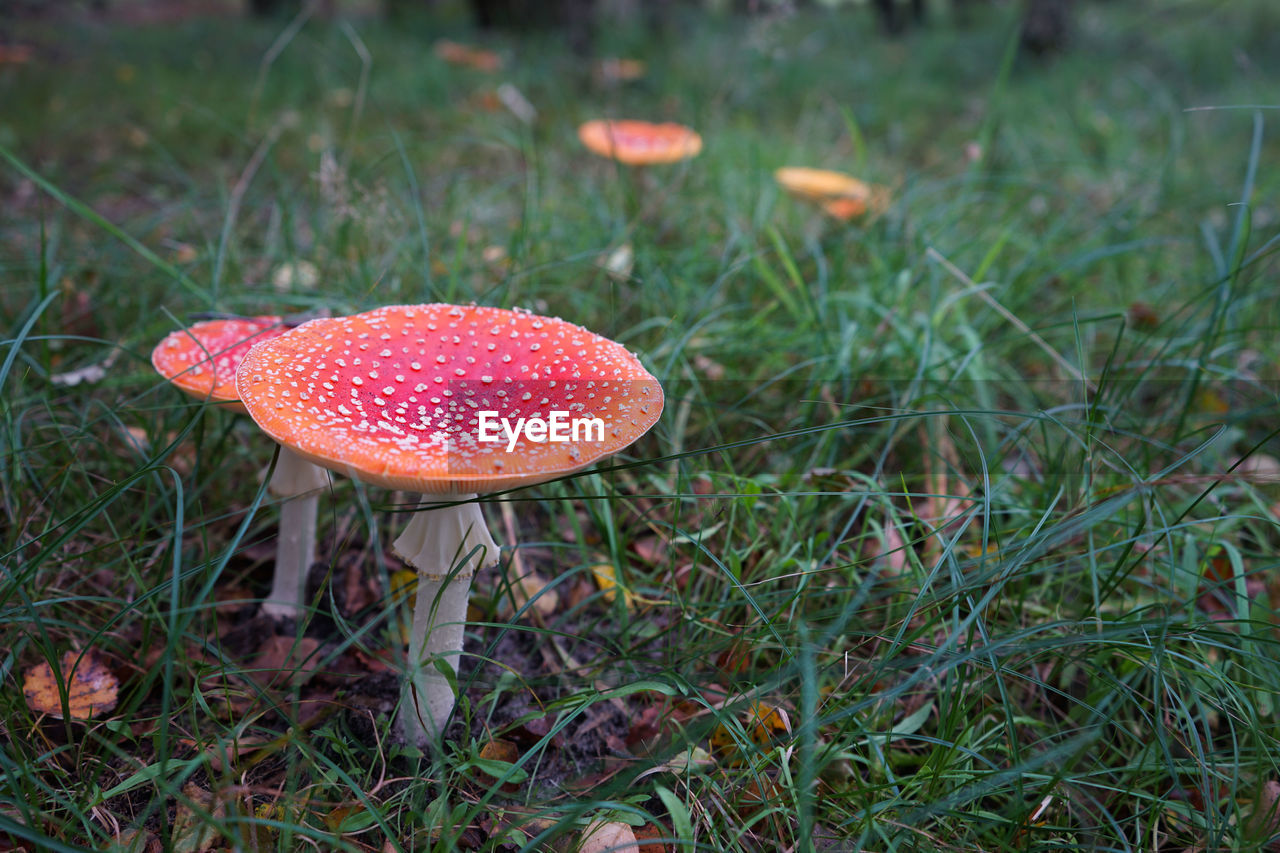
x=768 y=723
x=764 y=724
x=91 y=687
x=607 y=580
x=404 y=584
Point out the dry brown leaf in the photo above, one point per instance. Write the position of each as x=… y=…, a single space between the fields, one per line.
x=284 y=660
x=91 y=687
x=601 y=836
x=496 y=256
x=760 y=792
x=128 y=841
x=358 y=590
x=650 y=837
x=1264 y=822
x=533 y=587
x=650 y=549
x=184 y=253
x=192 y=832
x=711 y=369
x=468 y=57
x=891 y=552
x=503 y=751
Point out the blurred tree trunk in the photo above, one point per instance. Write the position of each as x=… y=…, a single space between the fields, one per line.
x=1046 y=25
x=272 y=8
x=574 y=17
x=893 y=15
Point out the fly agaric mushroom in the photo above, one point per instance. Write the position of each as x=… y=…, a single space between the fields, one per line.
x=640 y=143
x=841 y=196
x=409 y=397
x=202 y=361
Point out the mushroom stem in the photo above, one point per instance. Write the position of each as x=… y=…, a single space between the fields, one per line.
x=447 y=546
x=299 y=483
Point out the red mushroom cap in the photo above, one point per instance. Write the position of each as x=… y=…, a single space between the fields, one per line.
x=393 y=396
x=640 y=143
x=203 y=358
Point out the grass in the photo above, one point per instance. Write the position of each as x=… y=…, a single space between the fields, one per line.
x=960 y=490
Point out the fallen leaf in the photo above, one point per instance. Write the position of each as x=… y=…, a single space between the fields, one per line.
x=1264 y=822
x=285 y=660
x=1142 y=316
x=607 y=580
x=404 y=583
x=358 y=590
x=681 y=763
x=90 y=374
x=768 y=724
x=350 y=818
x=891 y=551
x=736 y=659
x=650 y=837
x=503 y=754
x=1210 y=402
x=650 y=549
x=126 y=841
x=468 y=57
x=91 y=687
x=532 y=587
x=196 y=833
x=764 y=725
x=759 y=792
x=601 y=836
x=709 y=368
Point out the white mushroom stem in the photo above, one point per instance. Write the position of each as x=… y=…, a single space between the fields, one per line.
x=299 y=482
x=447 y=546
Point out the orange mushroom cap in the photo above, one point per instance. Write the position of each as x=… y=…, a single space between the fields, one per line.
x=820 y=184
x=841 y=196
x=393 y=396
x=202 y=359
x=640 y=143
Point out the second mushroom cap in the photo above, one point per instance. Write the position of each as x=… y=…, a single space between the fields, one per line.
x=640 y=143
